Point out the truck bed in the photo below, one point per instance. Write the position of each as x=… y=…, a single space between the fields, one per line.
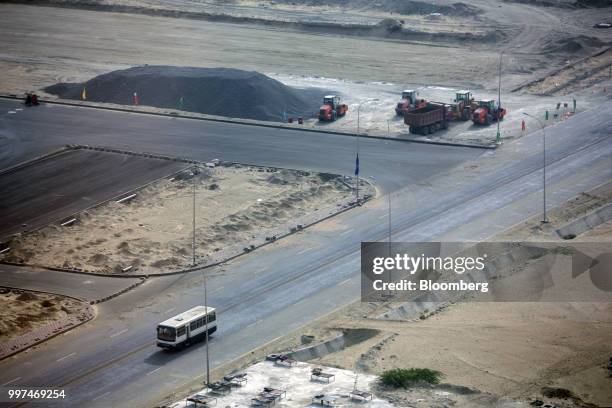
x=428 y=115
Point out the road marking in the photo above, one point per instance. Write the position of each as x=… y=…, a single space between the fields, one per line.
x=344 y=282
x=65 y=357
x=12 y=381
x=220 y=288
x=254 y=323
x=170 y=310
x=157 y=369
x=101 y=396
x=118 y=333
x=303 y=251
x=348 y=231
x=383 y=216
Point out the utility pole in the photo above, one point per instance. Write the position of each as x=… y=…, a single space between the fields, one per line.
x=357 y=148
x=206 y=328
x=498 y=137
x=193 y=242
x=544 y=218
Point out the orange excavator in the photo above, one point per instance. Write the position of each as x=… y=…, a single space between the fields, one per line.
x=332 y=109
x=409 y=102
x=487 y=112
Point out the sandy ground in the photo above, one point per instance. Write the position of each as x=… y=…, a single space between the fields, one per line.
x=24 y=311
x=236 y=207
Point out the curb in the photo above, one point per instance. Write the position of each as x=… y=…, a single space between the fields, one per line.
x=246 y=122
x=121 y=292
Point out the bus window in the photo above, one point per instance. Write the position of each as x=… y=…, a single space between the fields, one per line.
x=212 y=317
x=180 y=331
x=166 y=333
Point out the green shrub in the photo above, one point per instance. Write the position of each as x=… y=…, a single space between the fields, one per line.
x=561 y=393
x=406 y=377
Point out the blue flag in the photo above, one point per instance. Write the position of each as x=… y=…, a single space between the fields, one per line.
x=357 y=165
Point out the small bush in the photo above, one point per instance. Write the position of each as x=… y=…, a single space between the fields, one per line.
x=561 y=393
x=406 y=377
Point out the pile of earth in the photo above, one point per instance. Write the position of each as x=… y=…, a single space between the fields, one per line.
x=579 y=44
x=214 y=91
x=568 y=4
x=406 y=7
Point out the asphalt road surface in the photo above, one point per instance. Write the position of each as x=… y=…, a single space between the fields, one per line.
x=84 y=287
x=35 y=131
x=113 y=361
x=63 y=184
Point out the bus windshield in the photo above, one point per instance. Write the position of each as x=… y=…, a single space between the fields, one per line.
x=166 y=333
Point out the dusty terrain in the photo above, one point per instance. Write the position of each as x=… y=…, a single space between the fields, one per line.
x=236 y=207
x=24 y=311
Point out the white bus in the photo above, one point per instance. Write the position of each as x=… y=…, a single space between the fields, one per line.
x=187 y=327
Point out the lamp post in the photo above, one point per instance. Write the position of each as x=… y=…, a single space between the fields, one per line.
x=544 y=219
x=206 y=328
x=357 y=147
x=498 y=137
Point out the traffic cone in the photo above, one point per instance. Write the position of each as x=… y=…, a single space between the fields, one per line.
x=135 y=99
x=84 y=94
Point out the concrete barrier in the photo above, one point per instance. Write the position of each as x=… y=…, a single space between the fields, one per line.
x=586 y=223
x=349 y=337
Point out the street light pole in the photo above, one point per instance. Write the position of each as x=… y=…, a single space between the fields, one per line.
x=544 y=219
x=357 y=136
x=193 y=242
x=498 y=137
x=206 y=328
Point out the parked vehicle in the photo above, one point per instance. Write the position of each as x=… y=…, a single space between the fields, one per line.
x=488 y=112
x=332 y=109
x=428 y=119
x=409 y=102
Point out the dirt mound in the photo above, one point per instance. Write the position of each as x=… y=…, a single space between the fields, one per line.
x=579 y=44
x=214 y=91
x=407 y=7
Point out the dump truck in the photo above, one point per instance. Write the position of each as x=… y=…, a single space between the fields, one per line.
x=409 y=102
x=428 y=119
x=487 y=112
x=332 y=109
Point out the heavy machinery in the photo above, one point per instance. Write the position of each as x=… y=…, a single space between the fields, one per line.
x=463 y=106
x=428 y=119
x=332 y=109
x=409 y=102
x=487 y=112
x=31 y=99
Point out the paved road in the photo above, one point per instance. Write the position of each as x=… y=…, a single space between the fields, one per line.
x=35 y=131
x=288 y=284
x=84 y=287
x=61 y=185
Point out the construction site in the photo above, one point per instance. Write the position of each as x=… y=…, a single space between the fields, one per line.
x=200 y=202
